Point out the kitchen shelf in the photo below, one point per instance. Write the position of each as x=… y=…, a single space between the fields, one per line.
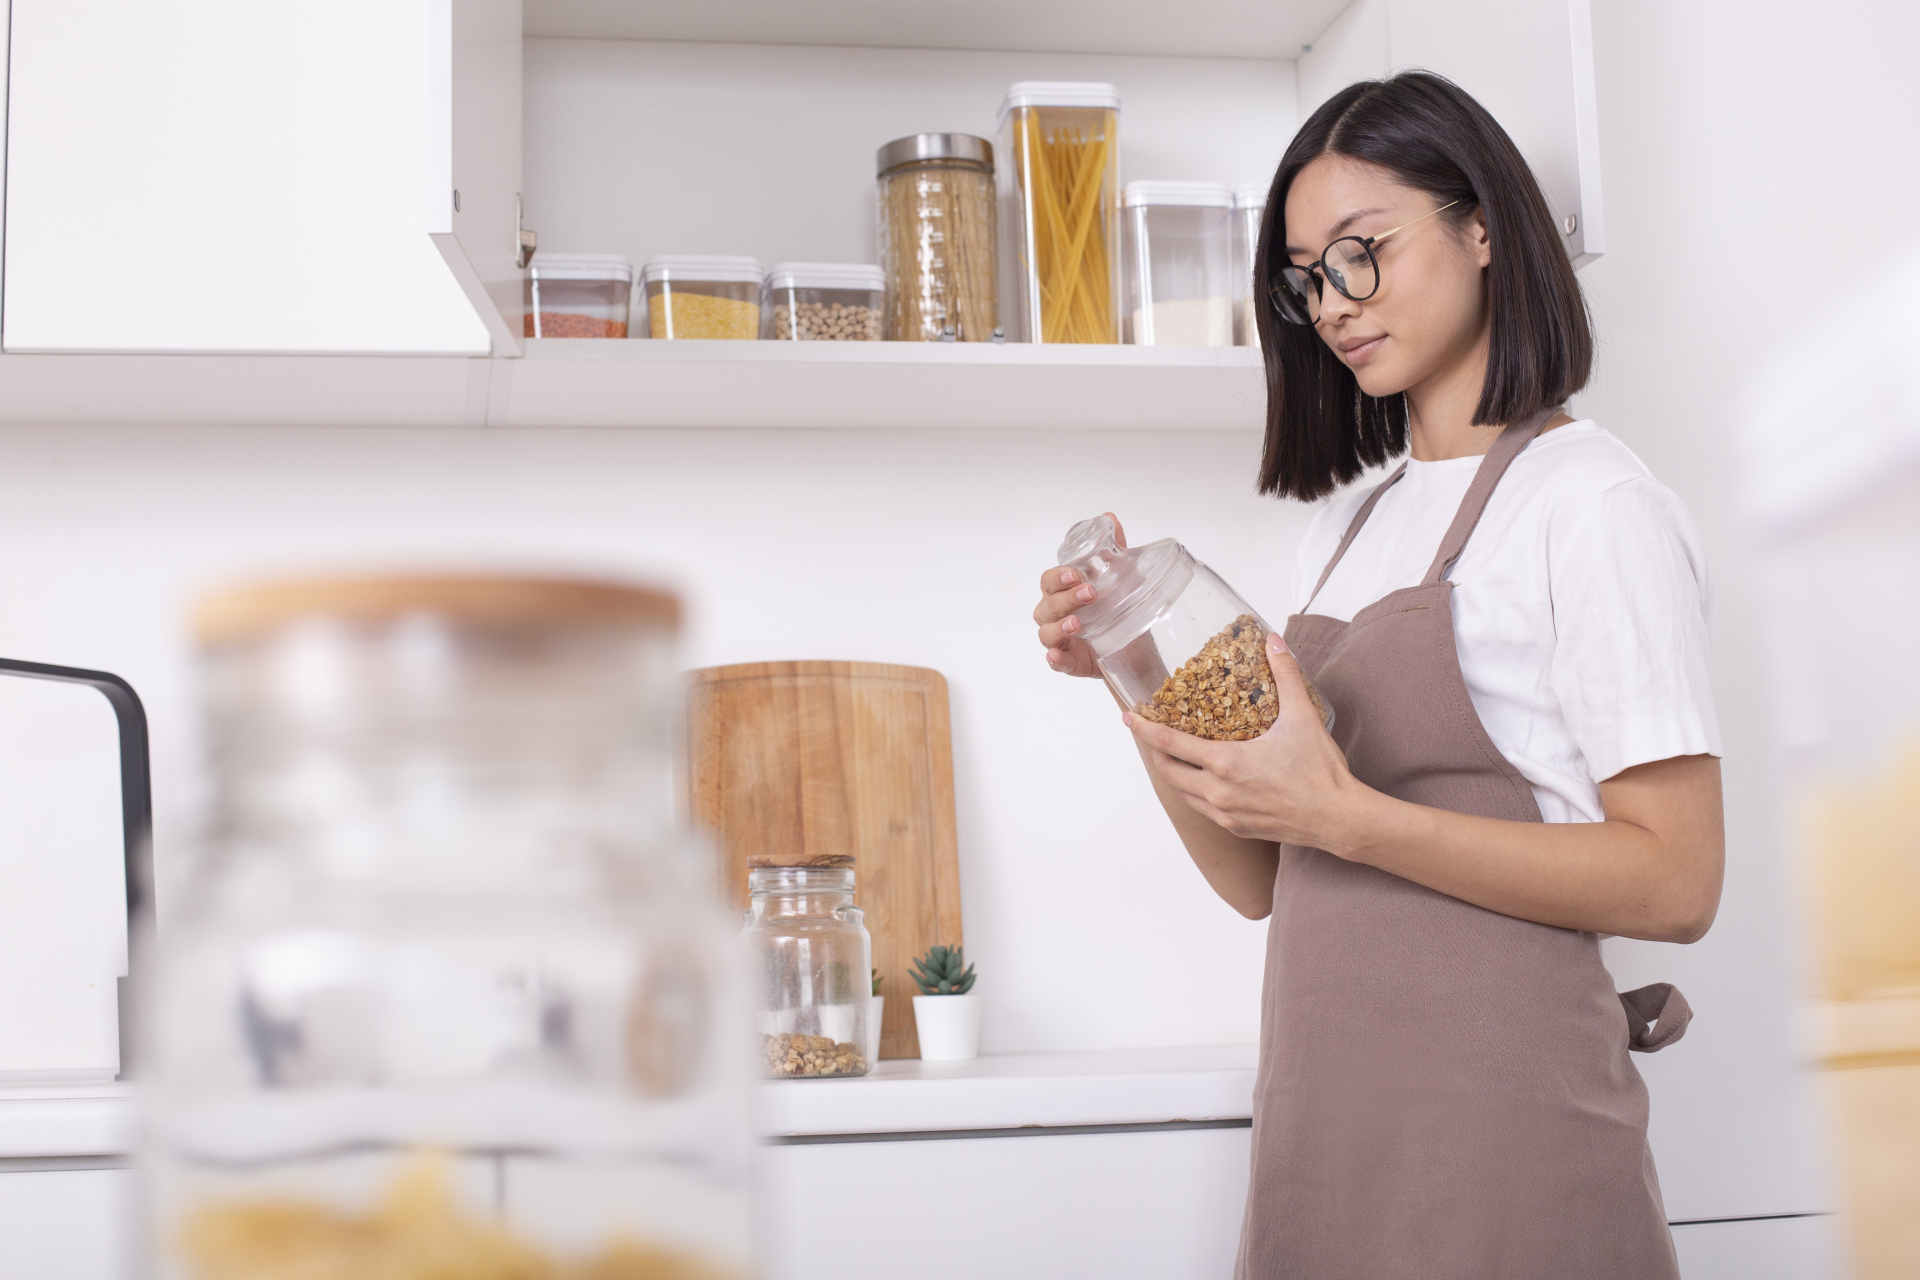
x=646 y=384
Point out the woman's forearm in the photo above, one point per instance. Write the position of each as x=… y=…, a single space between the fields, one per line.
x=1651 y=870
x=1240 y=871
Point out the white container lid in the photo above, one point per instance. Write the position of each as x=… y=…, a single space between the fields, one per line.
x=580 y=266
x=1186 y=195
x=827 y=275
x=1252 y=195
x=1060 y=93
x=697 y=268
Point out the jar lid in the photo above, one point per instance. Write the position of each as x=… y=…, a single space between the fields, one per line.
x=1132 y=585
x=1060 y=93
x=1185 y=195
x=716 y=269
x=580 y=266
x=827 y=275
x=763 y=860
x=510 y=604
x=920 y=147
x=1251 y=195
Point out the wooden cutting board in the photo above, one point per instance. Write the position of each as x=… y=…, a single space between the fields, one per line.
x=811 y=758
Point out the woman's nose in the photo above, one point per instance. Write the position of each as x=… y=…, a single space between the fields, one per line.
x=1335 y=306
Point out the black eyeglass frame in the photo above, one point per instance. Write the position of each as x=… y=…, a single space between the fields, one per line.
x=1280 y=292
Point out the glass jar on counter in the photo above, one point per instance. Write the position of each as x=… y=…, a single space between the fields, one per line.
x=1179 y=277
x=691 y=296
x=823 y=302
x=1249 y=207
x=446 y=992
x=813 y=960
x=578 y=295
x=1175 y=643
x=938 y=245
x=1059 y=182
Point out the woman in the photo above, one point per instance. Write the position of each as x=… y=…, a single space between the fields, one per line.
x=1513 y=632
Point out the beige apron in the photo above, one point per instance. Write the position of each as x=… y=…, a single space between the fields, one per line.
x=1444 y=1091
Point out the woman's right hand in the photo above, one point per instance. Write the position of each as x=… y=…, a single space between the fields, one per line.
x=1062 y=595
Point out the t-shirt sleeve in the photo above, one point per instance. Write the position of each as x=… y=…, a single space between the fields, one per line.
x=1633 y=623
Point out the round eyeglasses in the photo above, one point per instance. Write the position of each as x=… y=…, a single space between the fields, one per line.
x=1347 y=264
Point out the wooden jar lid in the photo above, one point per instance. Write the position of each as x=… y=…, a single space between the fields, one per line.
x=759 y=860
x=509 y=604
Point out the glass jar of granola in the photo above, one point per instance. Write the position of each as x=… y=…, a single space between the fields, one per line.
x=813 y=961
x=1175 y=643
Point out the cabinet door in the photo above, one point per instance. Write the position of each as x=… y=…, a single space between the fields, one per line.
x=473 y=158
x=197 y=175
x=1529 y=62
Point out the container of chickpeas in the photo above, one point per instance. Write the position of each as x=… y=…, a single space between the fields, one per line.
x=691 y=296
x=823 y=302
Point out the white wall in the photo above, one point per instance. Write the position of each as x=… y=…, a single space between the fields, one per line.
x=1090 y=927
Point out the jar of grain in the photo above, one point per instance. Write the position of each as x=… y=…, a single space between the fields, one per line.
x=823 y=302
x=578 y=295
x=1249 y=207
x=692 y=296
x=937 y=240
x=813 y=959
x=1179 y=277
x=1059 y=182
x=1175 y=643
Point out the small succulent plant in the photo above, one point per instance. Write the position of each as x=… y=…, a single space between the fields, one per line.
x=877 y=980
x=943 y=971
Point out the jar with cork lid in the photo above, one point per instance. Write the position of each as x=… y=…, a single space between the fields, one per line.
x=812 y=962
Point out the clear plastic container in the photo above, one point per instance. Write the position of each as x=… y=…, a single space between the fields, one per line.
x=702 y=297
x=1175 y=643
x=814 y=961
x=823 y=302
x=578 y=295
x=937 y=238
x=445 y=982
x=1179 y=279
x=1059 y=183
x=1249 y=206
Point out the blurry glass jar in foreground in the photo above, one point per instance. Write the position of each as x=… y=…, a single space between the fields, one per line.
x=823 y=302
x=1179 y=279
x=1059 y=189
x=446 y=994
x=702 y=297
x=1174 y=641
x=1249 y=206
x=937 y=241
x=814 y=964
x=578 y=295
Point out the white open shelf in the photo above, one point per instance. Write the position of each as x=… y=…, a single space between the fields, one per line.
x=646 y=384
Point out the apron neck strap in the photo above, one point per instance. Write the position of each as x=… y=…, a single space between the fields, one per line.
x=1353 y=529
x=1494 y=465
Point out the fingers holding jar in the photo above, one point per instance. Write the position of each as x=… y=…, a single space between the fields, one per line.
x=1062 y=593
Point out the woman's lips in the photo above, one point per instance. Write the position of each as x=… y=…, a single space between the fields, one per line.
x=1362 y=349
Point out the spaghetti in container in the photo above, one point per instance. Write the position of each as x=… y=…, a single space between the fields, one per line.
x=1059 y=183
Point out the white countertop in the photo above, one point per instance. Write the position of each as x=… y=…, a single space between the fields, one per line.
x=1007 y=1091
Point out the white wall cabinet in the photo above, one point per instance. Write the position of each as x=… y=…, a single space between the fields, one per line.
x=191 y=176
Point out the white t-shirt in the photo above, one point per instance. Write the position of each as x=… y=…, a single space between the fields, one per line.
x=1582 y=611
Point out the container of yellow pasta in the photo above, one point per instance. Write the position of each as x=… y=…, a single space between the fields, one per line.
x=1059 y=184
x=693 y=296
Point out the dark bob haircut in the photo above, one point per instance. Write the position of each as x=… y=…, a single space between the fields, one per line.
x=1322 y=431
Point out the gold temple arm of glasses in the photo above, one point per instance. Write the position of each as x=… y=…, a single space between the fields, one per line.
x=1422 y=218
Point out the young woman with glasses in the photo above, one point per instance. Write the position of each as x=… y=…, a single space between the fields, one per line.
x=1513 y=629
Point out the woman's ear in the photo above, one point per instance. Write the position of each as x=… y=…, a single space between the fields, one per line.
x=1476 y=233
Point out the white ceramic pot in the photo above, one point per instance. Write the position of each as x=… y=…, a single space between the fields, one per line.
x=873 y=1031
x=949 y=1027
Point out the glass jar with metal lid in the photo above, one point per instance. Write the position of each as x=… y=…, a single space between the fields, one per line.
x=447 y=982
x=813 y=961
x=937 y=238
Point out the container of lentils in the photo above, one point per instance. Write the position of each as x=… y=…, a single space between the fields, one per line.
x=937 y=239
x=823 y=302
x=578 y=295
x=702 y=297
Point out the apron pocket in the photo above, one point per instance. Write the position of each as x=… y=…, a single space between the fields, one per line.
x=1657 y=1015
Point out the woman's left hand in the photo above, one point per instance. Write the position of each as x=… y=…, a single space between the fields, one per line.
x=1290 y=785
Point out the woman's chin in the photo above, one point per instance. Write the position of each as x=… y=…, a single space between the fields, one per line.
x=1379 y=383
